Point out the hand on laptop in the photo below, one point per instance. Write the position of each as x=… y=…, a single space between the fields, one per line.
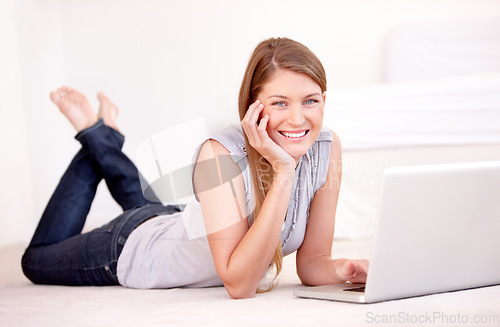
x=354 y=271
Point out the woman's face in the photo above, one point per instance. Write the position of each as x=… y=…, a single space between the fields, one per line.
x=294 y=103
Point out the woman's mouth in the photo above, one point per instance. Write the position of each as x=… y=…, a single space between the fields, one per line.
x=294 y=135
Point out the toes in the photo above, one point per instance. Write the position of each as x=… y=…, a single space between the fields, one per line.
x=106 y=104
x=64 y=90
x=61 y=92
x=54 y=96
x=102 y=97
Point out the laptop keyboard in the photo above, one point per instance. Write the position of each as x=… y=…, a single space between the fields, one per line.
x=355 y=289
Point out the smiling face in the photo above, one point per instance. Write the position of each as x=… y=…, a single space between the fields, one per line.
x=294 y=103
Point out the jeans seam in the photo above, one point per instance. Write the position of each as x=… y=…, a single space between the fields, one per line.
x=117 y=235
x=35 y=267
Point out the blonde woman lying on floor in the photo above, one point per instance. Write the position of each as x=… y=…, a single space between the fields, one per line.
x=283 y=198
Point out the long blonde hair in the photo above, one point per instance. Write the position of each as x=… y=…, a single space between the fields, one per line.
x=269 y=56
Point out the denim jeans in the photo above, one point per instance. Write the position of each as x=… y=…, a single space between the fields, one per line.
x=59 y=253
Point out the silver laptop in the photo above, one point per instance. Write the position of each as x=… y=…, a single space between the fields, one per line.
x=437 y=230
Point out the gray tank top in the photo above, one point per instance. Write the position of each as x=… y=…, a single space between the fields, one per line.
x=167 y=252
x=310 y=176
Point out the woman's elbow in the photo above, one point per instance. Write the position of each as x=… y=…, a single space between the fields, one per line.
x=240 y=291
x=238 y=286
x=305 y=273
x=306 y=280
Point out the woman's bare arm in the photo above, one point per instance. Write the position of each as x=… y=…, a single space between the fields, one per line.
x=315 y=265
x=241 y=254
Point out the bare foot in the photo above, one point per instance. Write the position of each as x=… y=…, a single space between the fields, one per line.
x=107 y=111
x=75 y=106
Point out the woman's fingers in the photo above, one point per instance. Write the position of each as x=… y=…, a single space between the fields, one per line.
x=253 y=112
x=346 y=270
x=262 y=126
x=353 y=270
x=364 y=264
x=249 y=122
x=256 y=110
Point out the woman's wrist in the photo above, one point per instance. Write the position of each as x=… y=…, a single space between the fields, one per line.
x=284 y=168
x=284 y=178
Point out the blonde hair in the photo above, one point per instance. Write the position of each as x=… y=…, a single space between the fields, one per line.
x=269 y=56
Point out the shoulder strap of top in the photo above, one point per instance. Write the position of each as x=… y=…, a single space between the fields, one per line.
x=325 y=135
x=233 y=140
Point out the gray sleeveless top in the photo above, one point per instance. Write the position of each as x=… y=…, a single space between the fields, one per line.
x=310 y=176
x=173 y=251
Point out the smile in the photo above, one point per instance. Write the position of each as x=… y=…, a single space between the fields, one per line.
x=294 y=134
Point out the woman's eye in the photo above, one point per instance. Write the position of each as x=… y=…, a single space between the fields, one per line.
x=279 y=104
x=311 y=101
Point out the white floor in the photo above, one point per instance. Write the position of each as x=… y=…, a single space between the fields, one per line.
x=25 y=304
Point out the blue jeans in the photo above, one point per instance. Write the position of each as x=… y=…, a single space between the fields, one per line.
x=58 y=253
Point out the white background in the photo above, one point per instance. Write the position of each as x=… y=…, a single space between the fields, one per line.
x=162 y=63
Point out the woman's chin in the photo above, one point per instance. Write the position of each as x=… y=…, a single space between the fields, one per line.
x=297 y=152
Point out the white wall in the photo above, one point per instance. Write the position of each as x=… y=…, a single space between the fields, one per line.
x=16 y=198
x=163 y=62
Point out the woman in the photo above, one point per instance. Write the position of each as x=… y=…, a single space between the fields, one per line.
x=285 y=201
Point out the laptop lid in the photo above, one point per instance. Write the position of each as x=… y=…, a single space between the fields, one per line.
x=437 y=230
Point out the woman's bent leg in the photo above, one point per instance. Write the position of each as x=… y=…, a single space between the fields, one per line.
x=58 y=253
x=104 y=144
x=68 y=207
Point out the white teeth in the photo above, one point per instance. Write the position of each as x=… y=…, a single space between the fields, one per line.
x=292 y=135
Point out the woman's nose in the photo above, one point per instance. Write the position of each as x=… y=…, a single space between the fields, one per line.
x=295 y=115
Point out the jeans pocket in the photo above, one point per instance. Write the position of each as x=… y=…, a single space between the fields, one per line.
x=111 y=270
